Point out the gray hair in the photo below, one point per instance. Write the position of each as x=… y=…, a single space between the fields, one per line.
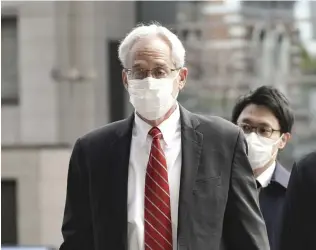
x=141 y=31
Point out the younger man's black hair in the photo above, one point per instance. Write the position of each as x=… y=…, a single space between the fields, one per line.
x=272 y=99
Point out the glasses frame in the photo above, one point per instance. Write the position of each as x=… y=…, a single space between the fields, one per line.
x=255 y=129
x=128 y=71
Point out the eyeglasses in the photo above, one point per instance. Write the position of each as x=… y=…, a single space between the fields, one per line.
x=264 y=131
x=158 y=72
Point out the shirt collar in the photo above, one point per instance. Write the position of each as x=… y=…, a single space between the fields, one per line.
x=281 y=175
x=168 y=127
x=265 y=178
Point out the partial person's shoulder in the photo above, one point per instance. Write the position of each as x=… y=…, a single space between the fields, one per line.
x=109 y=132
x=307 y=164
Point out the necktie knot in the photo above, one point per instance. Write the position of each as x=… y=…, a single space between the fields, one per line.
x=155 y=133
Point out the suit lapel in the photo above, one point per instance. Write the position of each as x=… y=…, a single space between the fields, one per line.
x=192 y=142
x=119 y=182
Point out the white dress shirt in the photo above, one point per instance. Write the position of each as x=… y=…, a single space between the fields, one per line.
x=265 y=178
x=139 y=155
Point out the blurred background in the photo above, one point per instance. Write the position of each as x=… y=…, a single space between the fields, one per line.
x=61 y=78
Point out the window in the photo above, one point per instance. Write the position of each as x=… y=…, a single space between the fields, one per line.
x=9 y=60
x=8 y=212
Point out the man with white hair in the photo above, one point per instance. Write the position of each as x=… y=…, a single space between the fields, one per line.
x=164 y=178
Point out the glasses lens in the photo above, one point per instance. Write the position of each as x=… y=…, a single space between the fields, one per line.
x=246 y=128
x=160 y=72
x=264 y=131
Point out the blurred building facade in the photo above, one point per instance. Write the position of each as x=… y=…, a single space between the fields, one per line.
x=61 y=78
x=233 y=49
x=313 y=16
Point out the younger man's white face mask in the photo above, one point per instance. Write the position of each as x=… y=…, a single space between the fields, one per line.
x=260 y=149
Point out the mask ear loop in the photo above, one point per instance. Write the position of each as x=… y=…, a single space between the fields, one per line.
x=182 y=85
x=126 y=85
x=276 y=151
x=278 y=140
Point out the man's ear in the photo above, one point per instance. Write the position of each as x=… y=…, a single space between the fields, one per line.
x=183 y=74
x=124 y=79
x=285 y=139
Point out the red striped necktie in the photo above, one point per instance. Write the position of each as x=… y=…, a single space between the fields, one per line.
x=158 y=229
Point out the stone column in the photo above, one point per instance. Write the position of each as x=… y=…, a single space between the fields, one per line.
x=38 y=106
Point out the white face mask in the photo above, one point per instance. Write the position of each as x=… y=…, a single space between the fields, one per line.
x=152 y=98
x=260 y=149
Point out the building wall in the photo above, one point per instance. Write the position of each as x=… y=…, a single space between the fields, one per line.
x=23 y=167
x=55 y=36
x=10 y=125
x=41 y=180
x=52 y=181
x=313 y=17
x=147 y=11
x=61 y=36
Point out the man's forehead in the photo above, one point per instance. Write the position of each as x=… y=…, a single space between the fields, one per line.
x=258 y=115
x=150 y=47
x=256 y=121
x=153 y=63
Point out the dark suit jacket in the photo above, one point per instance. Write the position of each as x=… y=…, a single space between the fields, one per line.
x=299 y=216
x=218 y=200
x=271 y=203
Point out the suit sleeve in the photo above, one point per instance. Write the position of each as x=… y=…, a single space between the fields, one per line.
x=76 y=228
x=294 y=213
x=244 y=227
